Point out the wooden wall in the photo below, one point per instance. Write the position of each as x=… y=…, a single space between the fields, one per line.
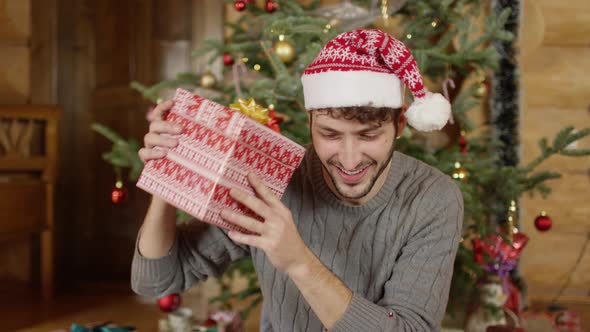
x=555 y=62
x=27 y=76
x=15 y=88
x=104 y=46
x=82 y=55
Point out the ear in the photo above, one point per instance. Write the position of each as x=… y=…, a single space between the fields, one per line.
x=402 y=120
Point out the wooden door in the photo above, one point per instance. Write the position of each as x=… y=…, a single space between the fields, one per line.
x=104 y=45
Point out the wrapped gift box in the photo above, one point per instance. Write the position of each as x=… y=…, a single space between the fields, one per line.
x=216 y=150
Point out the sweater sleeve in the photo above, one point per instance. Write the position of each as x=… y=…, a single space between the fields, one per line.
x=416 y=295
x=199 y=251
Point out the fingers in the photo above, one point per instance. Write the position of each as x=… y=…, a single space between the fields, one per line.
x=161 y=109
x=243 y=221
x=247 y=239
x=157 y=140
x=164 y=127
x=149 y=154
x=152 y=140
x=250 y=201
x=263 y=191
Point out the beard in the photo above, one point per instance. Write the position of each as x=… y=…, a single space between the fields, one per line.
x=340 y=187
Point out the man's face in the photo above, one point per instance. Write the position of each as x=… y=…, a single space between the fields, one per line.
x=354 y=155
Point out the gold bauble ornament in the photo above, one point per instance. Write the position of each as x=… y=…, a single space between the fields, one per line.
x=285 y=51
x=208 y=80
x=481 y=91
x=460 y=173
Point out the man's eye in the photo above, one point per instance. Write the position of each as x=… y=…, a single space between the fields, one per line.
x=369 y=136
x=330 y=136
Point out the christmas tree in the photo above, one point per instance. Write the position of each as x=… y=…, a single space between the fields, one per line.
x=457 y=45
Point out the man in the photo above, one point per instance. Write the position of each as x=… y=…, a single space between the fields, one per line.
x=364 y=238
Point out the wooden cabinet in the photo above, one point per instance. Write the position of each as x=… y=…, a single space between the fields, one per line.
x=28 y=159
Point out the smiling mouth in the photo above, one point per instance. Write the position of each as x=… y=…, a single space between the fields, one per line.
x=352 y=172
x=352 y=177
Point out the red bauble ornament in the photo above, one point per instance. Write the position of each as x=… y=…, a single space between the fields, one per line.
x=227 y=59
x=169 y=303
x=271 y=6
x=543 y=223
x=119 y=193
x=210 y=322
x=240 y=5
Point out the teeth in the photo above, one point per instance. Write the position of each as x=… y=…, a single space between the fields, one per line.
x=351 y=173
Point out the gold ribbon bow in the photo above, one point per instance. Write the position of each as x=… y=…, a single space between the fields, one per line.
x=250 y=108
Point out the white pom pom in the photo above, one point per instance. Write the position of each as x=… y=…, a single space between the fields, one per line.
x=429 y=113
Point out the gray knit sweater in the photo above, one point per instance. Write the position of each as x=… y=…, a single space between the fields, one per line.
x=395 y=252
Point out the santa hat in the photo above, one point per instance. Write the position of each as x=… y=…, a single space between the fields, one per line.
x=367 y=68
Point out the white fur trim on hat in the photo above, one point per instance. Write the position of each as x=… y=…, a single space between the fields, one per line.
x=429 y=113
x=351 y=88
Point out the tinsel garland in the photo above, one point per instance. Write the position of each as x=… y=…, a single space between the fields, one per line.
x=504 y=101
x=504 y=104
x=505 y=88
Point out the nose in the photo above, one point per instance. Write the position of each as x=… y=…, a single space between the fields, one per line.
x=351 y=154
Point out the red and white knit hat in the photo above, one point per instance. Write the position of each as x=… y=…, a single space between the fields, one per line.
x=366 y=68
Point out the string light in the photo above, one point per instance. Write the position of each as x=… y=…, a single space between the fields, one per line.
x=281 y=37
x=409 y=36
x=384 y=11
x=244 y=59
x=512 y=229
x=257 y=67
x=458 y=174
x=434 y=24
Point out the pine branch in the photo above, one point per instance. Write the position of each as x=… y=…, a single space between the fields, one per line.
x=561 y=142
x=107 y=132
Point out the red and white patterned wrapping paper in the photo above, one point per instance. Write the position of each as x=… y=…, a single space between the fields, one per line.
x=216 y=150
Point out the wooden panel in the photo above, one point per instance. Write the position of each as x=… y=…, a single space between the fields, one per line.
x=568 y=204
x=207 y=22
x=74 y=81
x=113 y=31
x=532 y=30
x=111 y=229
x=15 y=21
x=21 y=206
x=557 y=77
x=566 y=22
x=555 y=59
x=548 y=261
x=14 y=74
x=44 y=52
x=115 y=96
x=178 y=28
x=15 y=261
x=539 y=122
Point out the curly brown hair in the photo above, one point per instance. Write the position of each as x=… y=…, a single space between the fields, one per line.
x=363 y=114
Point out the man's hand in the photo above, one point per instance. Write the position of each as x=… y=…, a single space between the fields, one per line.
x=158 y=140
x=277 y=236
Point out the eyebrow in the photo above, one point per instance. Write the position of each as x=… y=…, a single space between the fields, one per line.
x=364 y=130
